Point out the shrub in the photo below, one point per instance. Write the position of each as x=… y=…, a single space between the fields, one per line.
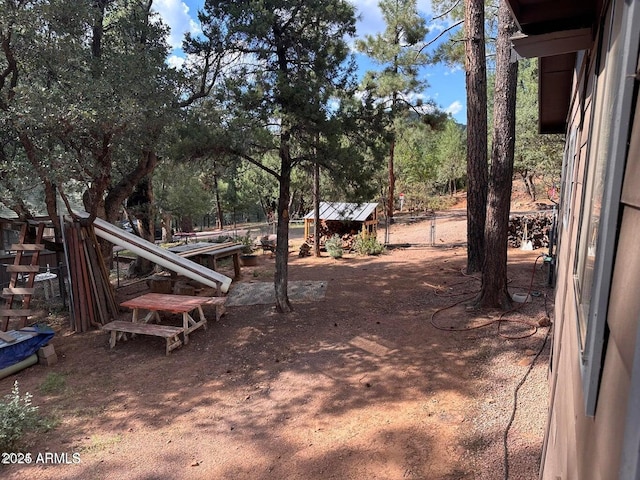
x=17 y=416
x=368 y=245
x=222 y=239
x=334 y=246
x=247 y=243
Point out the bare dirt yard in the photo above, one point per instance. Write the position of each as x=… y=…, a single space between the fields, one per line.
x=382 y=374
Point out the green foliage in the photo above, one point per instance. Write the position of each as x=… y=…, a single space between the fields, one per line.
x=452 y=154
x=368 y=245
x=451 y=12
x=89 y=95
x=398 y=50
x=536 y=154
x=17 y=416
x=429 y=161
x=290 y=62
x=416 y=159
x=247 y=243
x=334 y=246
x=440 y=202
x=53 y=383
x=179 y=189
x=222 y=239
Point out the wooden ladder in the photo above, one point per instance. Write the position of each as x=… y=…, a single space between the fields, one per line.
x=17 y=270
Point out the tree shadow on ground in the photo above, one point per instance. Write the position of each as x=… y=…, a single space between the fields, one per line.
x=357 y=385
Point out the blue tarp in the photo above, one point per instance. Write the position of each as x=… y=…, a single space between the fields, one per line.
x=28 y=341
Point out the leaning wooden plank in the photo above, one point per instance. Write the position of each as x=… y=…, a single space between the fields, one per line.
x=95 y=294
x=15 y=312
x=73 y=289
x=18 y=291
x=108 y=287
x=26 y=247
x=86 y=279
x=78 y=281
x=23 y=268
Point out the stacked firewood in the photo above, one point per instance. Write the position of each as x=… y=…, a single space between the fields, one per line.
x=93 y=301
x=330 y=228
x=348 y=240
x=305 y=250
x=530 y=228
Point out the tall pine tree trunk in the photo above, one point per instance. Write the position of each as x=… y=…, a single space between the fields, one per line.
x=316 y=209
x=494 y=293
x=392 y=182
x=476 y=82
x=219 y=211
x=281 y=277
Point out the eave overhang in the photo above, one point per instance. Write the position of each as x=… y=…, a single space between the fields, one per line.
x=553 y=31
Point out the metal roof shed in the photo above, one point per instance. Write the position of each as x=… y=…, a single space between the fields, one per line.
x=365 y=213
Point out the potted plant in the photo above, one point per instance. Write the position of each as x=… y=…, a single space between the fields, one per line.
x=247 y=256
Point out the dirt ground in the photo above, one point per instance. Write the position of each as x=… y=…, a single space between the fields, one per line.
x=385 y=376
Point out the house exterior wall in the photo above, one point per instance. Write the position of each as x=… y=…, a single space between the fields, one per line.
x=597 y=299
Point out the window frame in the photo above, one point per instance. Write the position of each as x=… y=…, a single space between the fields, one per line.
x=619 y=88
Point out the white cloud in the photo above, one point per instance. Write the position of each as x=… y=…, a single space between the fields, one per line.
x=370 y=19
x=175 y=61
x=453 y=69
x=175 y=13
x=455 y=108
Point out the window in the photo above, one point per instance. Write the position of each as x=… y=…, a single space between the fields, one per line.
x=598 y=221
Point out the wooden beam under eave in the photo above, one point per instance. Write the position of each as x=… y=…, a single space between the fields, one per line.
x=552 y=44
x=535 y=17
x=555 y=82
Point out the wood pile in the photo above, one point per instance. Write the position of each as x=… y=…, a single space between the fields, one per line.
x=305 y=250
x=348 y=241
x=93 y=301
x=530 y=228
x=347 y=231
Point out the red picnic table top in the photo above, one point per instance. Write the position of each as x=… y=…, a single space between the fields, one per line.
x=167 y=302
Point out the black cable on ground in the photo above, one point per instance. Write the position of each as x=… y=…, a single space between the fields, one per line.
x=515 y=404
x=500 y=320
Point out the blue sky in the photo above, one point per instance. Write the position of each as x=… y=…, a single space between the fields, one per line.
x=446 y=86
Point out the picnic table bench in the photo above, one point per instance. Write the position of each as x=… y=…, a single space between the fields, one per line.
x=119 y=329
x=158 y=302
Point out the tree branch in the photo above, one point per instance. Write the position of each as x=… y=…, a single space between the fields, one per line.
x=444 y=14
x=255 y=162
x=446 y=30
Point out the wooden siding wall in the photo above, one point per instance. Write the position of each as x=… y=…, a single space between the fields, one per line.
x=560 y=442
x=578 y=446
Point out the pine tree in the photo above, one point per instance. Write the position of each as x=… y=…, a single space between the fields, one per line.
x=477 y=169
x=494 y=272
x=290 y=62
x=398 y=52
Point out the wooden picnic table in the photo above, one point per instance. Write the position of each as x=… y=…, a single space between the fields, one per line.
x=154 y=303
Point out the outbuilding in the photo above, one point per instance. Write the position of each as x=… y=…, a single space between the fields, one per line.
x=340 y=217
